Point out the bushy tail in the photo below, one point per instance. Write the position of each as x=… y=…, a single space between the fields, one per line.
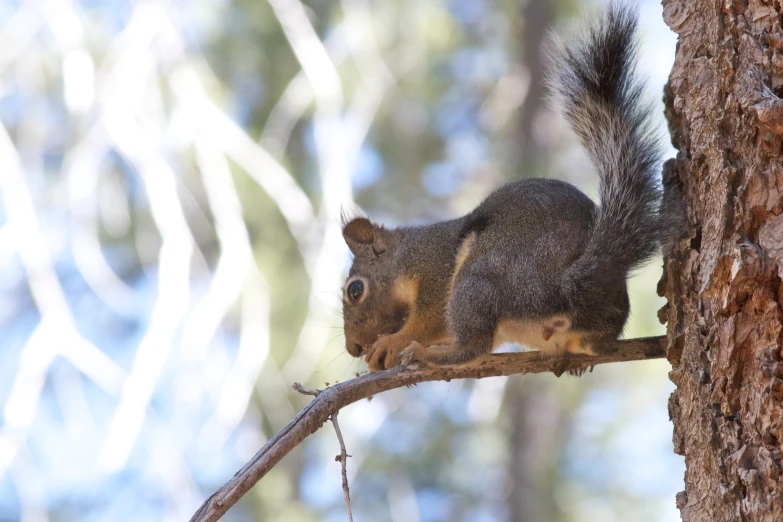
x=601 y=97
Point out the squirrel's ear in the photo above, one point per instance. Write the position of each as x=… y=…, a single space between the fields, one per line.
x=361 y=233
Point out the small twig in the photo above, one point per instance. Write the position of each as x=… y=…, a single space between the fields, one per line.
x=305 y=391
x=342 y=458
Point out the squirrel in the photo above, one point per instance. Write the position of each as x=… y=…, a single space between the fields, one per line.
x=537 y=262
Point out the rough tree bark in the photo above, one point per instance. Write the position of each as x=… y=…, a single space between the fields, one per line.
x=724 y=285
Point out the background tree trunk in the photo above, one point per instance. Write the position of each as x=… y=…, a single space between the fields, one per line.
x=726 y=119
x=531 y=406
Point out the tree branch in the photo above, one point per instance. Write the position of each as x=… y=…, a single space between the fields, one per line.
x=329 y=401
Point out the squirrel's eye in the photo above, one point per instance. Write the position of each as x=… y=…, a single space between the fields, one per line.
x=355 y=290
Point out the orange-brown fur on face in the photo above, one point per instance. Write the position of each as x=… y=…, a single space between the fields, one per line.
x=384 y=351
x=406 y=290
x=377 y=312
x=384 y=310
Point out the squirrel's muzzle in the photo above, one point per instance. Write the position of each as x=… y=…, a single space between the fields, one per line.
x=354 y=349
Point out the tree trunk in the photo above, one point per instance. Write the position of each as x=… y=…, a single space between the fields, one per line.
x=724 y=284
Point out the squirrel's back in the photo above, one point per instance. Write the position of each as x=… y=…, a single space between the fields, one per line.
x=528 y=214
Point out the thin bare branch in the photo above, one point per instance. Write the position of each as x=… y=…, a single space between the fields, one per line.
x=329 y=401
x=342 y=458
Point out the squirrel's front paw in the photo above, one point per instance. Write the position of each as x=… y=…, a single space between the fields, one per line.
x=383 y=354
x=414 y=353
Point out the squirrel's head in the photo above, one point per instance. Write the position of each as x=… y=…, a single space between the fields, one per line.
x=372 y=304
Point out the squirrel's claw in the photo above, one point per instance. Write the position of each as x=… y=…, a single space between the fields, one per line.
x=547 y=332
x=577 y=372
x=384 y=354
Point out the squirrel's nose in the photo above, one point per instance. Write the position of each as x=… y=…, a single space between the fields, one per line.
x=356 y=350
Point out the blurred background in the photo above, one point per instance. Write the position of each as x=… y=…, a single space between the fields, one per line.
x=171 y=179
